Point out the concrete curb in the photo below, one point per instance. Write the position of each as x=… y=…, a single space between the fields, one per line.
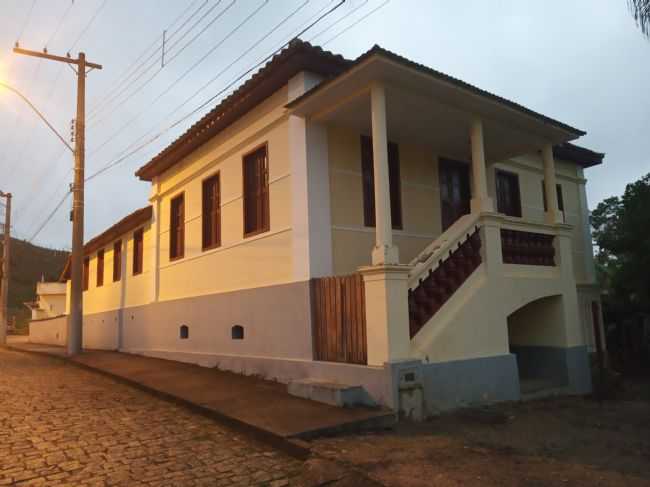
x=296 y=449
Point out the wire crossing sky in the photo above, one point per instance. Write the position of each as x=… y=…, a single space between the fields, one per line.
x=582 y=62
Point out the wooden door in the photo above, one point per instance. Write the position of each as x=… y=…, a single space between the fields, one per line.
x=454 y=191
x=339 y=319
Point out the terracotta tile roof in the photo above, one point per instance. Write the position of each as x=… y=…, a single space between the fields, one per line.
x=377 y=50
x=580 y=155
x=298 y=56
x=129 y=222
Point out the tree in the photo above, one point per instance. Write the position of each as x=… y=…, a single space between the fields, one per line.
x=641 y=11
x=621 y=231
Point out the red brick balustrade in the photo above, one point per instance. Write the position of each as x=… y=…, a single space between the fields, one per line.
x=442 y=281
x=527 y=248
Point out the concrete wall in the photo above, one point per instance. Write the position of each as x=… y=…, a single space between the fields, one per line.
x=51 y=331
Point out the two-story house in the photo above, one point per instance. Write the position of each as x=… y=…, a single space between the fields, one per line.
x=368 y=222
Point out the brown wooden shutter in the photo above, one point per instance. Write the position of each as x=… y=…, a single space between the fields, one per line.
x=177 y=227
x=256 y=192
x=138 y=251
x=100 y=267
x=368 y=177
x=394 y=183
x=117 y=261
x=211 y=212
x=395 y=186
x=86 y=273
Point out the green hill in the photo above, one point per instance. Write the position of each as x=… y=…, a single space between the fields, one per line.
x=29 y=263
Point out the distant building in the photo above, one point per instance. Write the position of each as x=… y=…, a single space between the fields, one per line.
x=49 y=302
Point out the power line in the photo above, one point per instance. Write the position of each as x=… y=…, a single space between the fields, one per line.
x=236 y=80
x=195 y=65
x=60 y=23
x=338 y=20
x=141 y=87
x=361 y=19
x=88 y=25
x=49 y=217
x=138 y=63
x=27 y=19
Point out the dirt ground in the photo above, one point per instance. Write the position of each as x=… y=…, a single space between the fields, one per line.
x=568 y=441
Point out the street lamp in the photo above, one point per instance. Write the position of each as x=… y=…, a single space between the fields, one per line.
x=36 y=110
x=4 y=290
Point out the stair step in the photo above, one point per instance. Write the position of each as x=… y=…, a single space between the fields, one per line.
x=332 y=393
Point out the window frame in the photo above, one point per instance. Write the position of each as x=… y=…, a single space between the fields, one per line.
x=117 y=260
x=515 y=176
x=138 y=252
x=175 y=232
x=266 y=203
x=99 y=279
x=204 y=217
x=368 y=186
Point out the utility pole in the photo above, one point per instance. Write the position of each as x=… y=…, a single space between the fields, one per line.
x=6 y=254
x=75 y=319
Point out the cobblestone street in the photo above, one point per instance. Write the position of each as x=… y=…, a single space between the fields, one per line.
x=60 y=425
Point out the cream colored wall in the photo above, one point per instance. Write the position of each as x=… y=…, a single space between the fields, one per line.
x=352 y=242
x=130 y=290
x=240 y=262
x=569 y=176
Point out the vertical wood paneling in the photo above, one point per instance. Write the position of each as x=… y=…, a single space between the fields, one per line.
x=338 y=317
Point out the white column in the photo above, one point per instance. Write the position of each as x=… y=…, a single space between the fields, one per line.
x=384 y=253
x=481 y=202
x=552 y=212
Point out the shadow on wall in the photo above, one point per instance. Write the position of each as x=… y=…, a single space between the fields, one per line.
x=537 y=337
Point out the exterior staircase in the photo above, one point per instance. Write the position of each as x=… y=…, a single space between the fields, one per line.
x=441 y=269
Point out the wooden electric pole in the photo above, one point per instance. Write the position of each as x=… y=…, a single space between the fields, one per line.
x=75 y=319
x=6 y=255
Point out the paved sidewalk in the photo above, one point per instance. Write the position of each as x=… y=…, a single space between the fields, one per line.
x=65 y=426
x=261 y=406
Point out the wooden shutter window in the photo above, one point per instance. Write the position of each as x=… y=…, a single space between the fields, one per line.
x=86 y=273
x=508 y=195
x=177 y=227
x=138 y=252
x=256 y=192
x=117 y=261
x=368 y=183
x=100 y=268
x=211 y=212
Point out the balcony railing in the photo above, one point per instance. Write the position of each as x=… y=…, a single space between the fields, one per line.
x=527 y=248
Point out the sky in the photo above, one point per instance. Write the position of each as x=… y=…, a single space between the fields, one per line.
x=583 y=62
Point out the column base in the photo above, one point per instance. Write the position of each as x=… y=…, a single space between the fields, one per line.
x=385 y=255
x=481 y=205
x=553 y=217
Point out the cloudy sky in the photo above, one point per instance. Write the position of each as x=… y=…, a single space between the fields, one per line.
x=583 y=62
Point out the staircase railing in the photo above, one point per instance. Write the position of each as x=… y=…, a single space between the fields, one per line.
x=441 y=269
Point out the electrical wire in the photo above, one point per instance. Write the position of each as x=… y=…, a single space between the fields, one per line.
x=138 y=63
x=26 y=22
x=361 y=19
x=49 y=217
x=233 y=82
x=143 y=85
x=88 y=25
x=60 y=23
